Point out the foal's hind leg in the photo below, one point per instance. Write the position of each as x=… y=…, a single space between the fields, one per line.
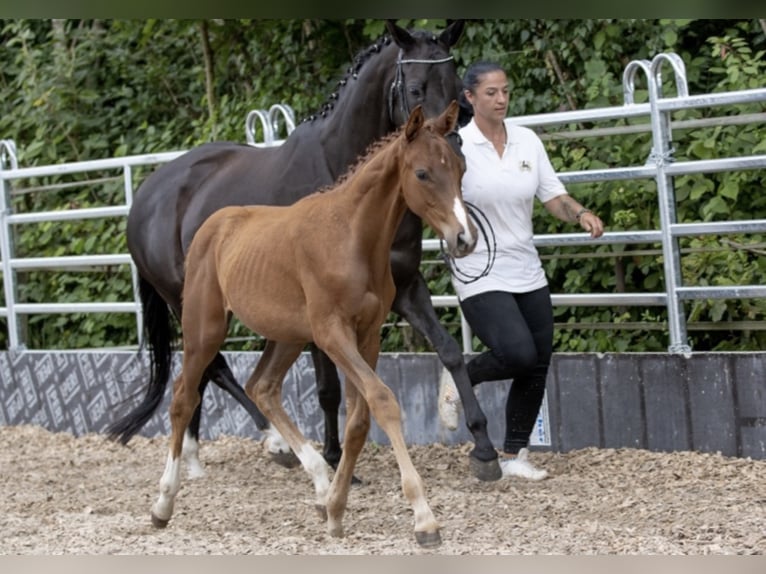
x=185 y=400
x=278 y=448
x=357 y=427
x=203 y=337
x=265 y=388
x=329 y=394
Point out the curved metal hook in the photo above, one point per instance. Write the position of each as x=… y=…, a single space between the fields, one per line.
x=679 y=69
x=629 y=79
x=287 y=114
x=250 y=128
x=8 y=155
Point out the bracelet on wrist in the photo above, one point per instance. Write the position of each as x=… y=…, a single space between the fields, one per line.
x=582 y=212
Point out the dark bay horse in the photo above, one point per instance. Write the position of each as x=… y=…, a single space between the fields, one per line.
x=320 y=271
x=400 y=71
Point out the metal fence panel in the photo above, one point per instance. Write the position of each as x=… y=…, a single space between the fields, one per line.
x=279 y=120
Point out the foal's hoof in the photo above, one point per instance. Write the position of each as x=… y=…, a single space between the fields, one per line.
x=286 y=459
x=486 y=470
x=428 y=539
x=158 y=522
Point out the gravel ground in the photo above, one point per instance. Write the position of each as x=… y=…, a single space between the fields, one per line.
x=65 y=495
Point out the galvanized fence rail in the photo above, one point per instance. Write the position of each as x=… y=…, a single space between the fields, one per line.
x=278 y=122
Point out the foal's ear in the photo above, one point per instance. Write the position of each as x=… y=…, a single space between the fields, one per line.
x=448 y=120
x=414 y=123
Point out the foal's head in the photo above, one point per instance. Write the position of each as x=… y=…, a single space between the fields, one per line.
x=432 y=170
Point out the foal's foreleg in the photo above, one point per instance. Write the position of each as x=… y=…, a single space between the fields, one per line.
x=384 y=407
x=265 y=388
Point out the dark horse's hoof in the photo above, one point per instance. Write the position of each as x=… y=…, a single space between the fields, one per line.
x=322 y=511
x=159 y=522
x=355 y=481
x=428 y=539
x=286 y=459
x=486 y=470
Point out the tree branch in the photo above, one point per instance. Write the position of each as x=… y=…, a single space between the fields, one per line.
x=553 y=62
x=209 y=71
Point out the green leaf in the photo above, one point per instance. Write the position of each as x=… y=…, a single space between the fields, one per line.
x=670 y=37
x=598 y=39
x=729 y=189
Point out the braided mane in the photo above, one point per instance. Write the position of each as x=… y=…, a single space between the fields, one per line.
x=351 y=73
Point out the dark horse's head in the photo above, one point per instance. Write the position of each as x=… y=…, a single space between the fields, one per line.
x=401 y=70
x=425 y=73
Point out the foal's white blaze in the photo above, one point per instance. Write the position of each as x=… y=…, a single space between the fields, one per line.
x=462 y=216
x=170 y=483
x=190 y=453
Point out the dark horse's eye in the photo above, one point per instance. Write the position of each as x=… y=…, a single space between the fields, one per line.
x=415 y=91
x=421 y=174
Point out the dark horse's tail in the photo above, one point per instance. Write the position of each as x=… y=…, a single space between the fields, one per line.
x=159 y=326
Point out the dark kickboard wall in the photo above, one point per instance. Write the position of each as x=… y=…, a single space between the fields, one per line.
x=707 y=402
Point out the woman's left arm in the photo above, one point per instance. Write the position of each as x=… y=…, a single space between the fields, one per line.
x=566 y=208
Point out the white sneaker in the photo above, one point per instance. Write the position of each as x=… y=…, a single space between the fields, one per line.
x=449 y=401
x=520 y=466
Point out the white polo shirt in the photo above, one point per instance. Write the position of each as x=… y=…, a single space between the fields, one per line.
x=504 y=189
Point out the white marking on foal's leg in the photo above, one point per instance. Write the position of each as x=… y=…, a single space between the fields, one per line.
x=462 y=216
x=275 y=442
x=190 y=453
x=318 y=469
x=170 y=484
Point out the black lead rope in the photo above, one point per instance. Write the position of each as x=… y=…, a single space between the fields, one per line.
x=485 y=229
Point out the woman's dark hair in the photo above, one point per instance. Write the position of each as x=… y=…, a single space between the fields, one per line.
x=471 y=79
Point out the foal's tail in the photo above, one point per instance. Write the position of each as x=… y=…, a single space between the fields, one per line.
x=158 y=325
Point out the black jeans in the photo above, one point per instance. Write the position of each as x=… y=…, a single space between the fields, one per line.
x=517 y=328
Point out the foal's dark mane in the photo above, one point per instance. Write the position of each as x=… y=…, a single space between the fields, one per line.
x=371 y=150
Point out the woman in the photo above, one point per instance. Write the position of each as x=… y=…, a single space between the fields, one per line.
x=510 y=307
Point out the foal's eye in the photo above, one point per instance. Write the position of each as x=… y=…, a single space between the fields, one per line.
x=421 y=174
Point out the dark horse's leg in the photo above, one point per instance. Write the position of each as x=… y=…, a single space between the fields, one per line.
x=413 y=302
x=328 y=391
